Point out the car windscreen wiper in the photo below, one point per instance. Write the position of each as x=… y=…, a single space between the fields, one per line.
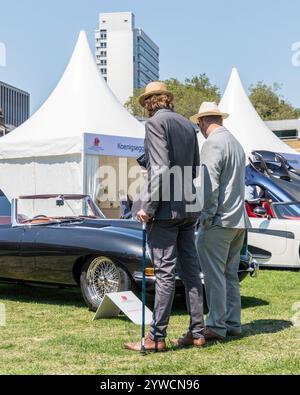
x=46 y=223
x=88 y=217
x=69 y=220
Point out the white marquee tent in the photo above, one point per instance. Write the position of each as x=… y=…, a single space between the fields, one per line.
x=57 y=150
x=247 y=126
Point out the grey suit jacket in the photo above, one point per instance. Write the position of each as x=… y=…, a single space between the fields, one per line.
x=223 y=163
x=170 y=144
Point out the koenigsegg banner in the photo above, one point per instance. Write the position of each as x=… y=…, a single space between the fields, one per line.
x=101 y=144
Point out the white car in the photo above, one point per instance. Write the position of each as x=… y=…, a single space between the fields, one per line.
x=275 y=235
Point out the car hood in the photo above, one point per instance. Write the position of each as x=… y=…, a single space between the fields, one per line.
x=128 y=227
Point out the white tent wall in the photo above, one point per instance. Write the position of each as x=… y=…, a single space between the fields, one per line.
x=30 y=176
x=91 y=175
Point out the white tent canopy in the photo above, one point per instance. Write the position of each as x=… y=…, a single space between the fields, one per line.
x=81 y=102
x=247 y=126
x=45 y=154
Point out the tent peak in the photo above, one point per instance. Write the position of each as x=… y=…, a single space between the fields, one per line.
x=245 y=123
x=235 y=77
x=82 y=36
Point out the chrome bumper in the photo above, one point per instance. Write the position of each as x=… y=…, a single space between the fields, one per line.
x=252 y=269
x=150 y=280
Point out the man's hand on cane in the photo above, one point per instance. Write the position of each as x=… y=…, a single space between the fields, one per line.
x=142 y=216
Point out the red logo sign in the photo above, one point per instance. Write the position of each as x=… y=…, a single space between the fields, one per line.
x=124 y=298
x=96 y=142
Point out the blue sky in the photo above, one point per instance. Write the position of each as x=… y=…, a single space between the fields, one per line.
x=194 y=36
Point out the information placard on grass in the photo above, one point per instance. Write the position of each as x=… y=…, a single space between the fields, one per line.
x=127 y=302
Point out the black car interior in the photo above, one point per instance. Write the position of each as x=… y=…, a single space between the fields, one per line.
x=274 y=165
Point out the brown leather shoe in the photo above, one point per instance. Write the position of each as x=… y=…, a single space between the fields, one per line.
x=150 y=346
x=234 y=333
x=188 y=341
x=210 y=335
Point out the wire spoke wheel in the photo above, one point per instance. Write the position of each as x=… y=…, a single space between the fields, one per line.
x=102 y=277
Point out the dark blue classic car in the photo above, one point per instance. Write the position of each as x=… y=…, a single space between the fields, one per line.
x=65 y=240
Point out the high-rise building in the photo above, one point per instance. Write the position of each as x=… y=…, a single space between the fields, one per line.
x=126 y=56
x=14 y=104
x=2 y=126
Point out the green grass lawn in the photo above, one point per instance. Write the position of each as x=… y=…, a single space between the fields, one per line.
x=50 y=331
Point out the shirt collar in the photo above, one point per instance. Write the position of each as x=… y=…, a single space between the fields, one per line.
x=163 y=110
x=221 y=129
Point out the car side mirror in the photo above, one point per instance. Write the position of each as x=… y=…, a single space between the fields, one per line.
x=260 y=212
x=60 y=203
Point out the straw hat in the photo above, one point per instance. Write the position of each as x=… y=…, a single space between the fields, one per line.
x=208 y=109
x=154 y=88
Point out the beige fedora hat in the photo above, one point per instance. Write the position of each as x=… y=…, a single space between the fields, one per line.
x=208 y=109
x=154 y=88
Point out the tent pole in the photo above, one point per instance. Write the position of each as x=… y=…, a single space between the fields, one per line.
x=83 y=166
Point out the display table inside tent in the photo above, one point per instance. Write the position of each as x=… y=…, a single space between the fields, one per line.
x=111 y=168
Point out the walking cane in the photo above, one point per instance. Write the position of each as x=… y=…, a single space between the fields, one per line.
x=143 y=350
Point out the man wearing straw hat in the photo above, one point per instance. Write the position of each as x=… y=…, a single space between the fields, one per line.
x=172 y=160
x=223 y=222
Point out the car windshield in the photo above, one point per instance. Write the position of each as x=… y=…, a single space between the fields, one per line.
x=287 y=210
x=53 y=209
x=267 y=156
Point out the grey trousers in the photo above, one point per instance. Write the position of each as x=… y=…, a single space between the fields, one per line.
x=219 y=252
x=172 y=247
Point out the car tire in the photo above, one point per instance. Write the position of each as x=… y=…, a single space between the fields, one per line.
x=101 y=275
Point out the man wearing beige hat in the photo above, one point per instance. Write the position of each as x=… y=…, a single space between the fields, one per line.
x=223 y=221
x=172 y=160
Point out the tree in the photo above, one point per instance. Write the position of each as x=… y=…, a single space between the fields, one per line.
x=188 y=95
x=269 y=104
